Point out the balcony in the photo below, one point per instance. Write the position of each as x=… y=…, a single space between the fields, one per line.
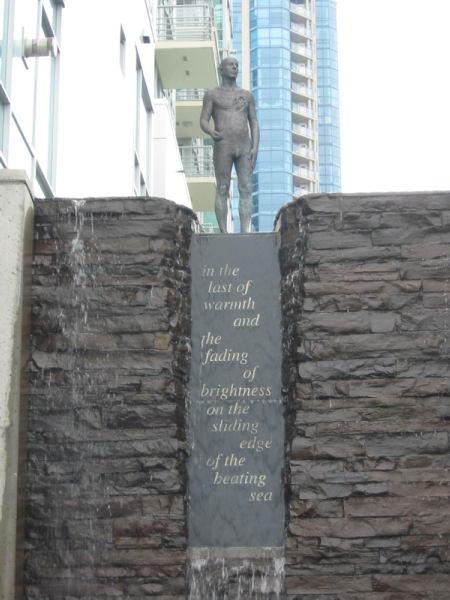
x=304 y=173
x=197 y=161
x=301 y=49
x=300 y=11
x=302 y=89
x=304 y=71
x=190 y=95
x=187 y=53
x=302 y=110
x=208 y=227
x=303 y=152
x=303 y=131
x=188 y=109
x=301 y=190
x=199 y=170
x=301 y=30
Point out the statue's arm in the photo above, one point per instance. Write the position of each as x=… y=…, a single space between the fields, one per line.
x=205 y=117
x=254 y=129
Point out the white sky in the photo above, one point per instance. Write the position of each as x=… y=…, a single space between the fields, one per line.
x=394 y=62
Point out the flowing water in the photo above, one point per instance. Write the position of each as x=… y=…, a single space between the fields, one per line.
x=234 y=579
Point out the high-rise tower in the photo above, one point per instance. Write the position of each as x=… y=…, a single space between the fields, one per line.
x=288 y=55
x=328 y=97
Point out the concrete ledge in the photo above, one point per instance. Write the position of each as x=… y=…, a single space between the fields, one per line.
x=16 y=225
x=15 y=176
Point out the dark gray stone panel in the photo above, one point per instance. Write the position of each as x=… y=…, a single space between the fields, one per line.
x=236 y=421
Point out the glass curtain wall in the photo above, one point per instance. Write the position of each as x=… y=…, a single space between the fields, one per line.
x=270 y=82
x=328 y=96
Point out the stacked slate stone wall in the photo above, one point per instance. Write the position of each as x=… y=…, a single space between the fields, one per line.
x=366 y=354
x=367 y=370
x=110 y=360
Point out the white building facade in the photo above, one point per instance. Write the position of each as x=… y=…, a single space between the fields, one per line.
x=89 y=92
x=116 y=122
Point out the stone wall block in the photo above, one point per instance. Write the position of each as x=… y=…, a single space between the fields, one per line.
x=369 y=449
x=108 y=373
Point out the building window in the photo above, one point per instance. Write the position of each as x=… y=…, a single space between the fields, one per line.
x=46 y=99
x=6 y=48
x=23 y=69
x=143 y=125
x=3 y=23
x=29 y=70
x=20 y=155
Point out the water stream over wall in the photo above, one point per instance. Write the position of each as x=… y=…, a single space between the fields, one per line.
x=106 y=480
x=73 y=391
x=238 y=579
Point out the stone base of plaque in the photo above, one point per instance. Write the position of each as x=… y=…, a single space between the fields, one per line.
x=236 y=420
x=236 y=573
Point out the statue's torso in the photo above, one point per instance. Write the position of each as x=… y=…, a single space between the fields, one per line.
x=230 y=114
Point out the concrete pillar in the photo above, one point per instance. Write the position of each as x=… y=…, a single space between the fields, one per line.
x=16 y=242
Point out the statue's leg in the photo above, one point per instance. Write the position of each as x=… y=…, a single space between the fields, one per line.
x=244 y=175
x=223 y=162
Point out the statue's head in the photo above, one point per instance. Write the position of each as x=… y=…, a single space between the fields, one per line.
x=229 y=67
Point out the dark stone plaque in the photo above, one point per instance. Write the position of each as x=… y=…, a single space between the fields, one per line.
x=236 y=422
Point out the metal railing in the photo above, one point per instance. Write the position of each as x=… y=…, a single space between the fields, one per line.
x=208 y=228
x=300 y=109
x=302 y=69
x=300 y=10
x=180 y=21
x=300 y=88
x=301 y=29
x=197 y=161
x=190 y=95
x=304 y=131
x=301 y=151
x=301 y=49
x=303 y=172
x=301 y=191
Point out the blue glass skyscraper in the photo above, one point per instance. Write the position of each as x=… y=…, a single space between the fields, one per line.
x=270 y=80
x=291 y=67
x=328 y=96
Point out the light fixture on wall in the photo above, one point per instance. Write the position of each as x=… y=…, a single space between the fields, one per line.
x=46 y=46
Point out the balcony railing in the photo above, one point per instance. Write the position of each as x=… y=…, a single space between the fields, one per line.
x=304 y=131
x=300 y=88
x=302 y=69
x=302 y=190
x=301 y=30
x=209 y=228
x=304 y=152
x=190 y=95
x=305 y=173
x=300 y=10
x=301 y=49
x=190 y=22
x=300 y=109
x=197 y=161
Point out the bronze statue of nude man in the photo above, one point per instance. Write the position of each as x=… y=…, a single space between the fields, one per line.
x=236 y=139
